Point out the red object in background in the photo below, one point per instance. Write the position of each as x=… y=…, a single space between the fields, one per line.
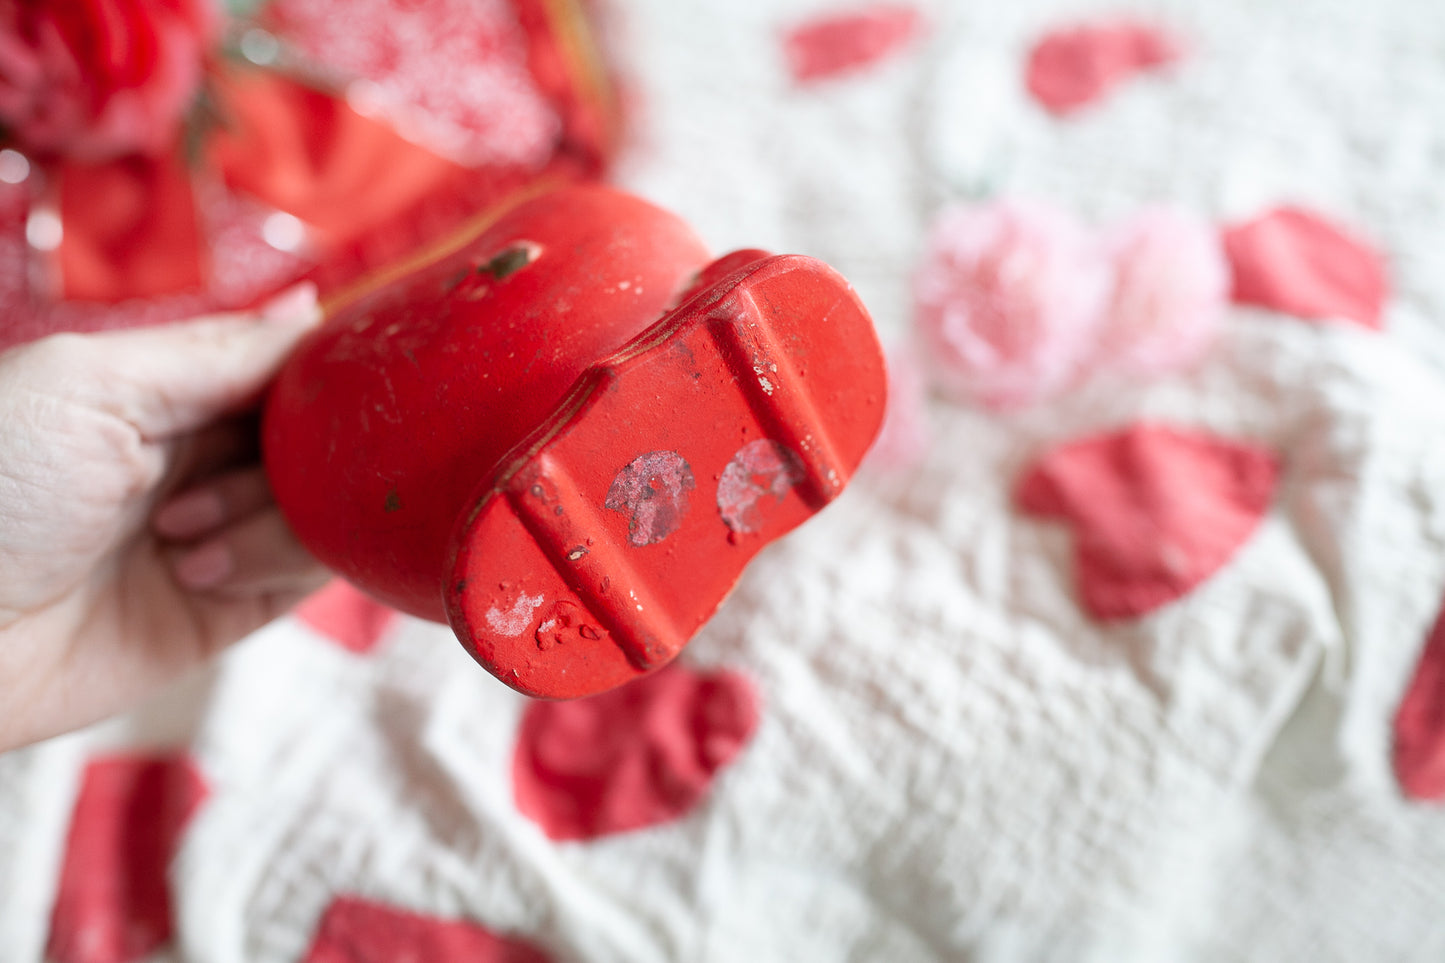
x=1155 y=511
x=637 y=756
x=838 y=44
x=1297 y=262
x=512 y=438
x=1419 y=752
x=355 y=930
x=1071 y=68
x=182 y=235
x=130 y=226
x=114 y=904
x=347 y=617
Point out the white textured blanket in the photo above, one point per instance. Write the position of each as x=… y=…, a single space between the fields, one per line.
x=903 y=737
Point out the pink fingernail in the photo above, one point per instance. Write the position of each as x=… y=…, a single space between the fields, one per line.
x=206 y=567
x=190 y=514
x=297 y=301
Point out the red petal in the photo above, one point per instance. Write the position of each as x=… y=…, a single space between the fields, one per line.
x=1155 y=511
x=1420 y=723
x=636 y=756
x=354 y=930
x=1071 y=68
x=354 y=621
x=114 y=905
x=844 y=43
x=1297 y=262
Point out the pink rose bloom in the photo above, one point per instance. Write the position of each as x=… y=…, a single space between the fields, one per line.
x=1171 y=288
x=1009 y=299
x=96 y=79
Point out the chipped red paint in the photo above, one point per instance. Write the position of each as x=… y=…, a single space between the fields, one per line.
x=1419 y=752
x=837 y=44
x=762 y=471
x=1155 y=510
x=1299 y=262
x=485 y=448
x=347 y=617
x=113 y=904
x=640 y=755
x=356 y=930
x=1077 y=66
x=652 y=490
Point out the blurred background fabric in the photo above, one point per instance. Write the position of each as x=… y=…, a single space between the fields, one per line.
x=1122 y=647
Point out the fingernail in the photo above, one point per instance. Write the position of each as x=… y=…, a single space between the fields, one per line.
x=190 y=514
x=206 y=567
x=296 y=302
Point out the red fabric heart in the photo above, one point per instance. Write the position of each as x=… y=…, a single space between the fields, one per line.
x=1420 y=723
x=1298 y=262
x=636 y=756
x=1155 y=511
x=354 y=621
x=1071 y=68
x=354 y=930
x=828 y=46
x=113 y=904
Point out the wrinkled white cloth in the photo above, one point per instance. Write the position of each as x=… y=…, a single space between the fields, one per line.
x=953 y=762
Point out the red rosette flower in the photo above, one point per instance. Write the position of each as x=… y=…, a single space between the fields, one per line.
x=91 y=80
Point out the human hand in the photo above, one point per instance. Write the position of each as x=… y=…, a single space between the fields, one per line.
x=137 y=532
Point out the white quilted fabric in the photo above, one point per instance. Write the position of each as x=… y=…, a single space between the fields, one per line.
x=953 y=762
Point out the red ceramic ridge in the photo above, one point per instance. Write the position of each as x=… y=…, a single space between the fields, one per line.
x=1154 y=510
x=636 y=756
x=837 y=44
x=1299 y=262
x=355 y=930
x=1419 y=751
x=1074 y=67
x=351 y=619
x=113 y=904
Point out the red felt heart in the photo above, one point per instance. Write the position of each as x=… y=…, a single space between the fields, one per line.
x=1298 y=262
x=836 y=44
x=354 y=621
x=1071 y=68
x=354 y=930
x=1155 y=511
x=1420 y=723
x=636 y=756
x=113 y=904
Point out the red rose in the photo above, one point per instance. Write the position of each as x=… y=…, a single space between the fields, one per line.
x=95 y=79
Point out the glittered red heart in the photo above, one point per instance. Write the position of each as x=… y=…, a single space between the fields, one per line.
x=1155 y=511
x=352 y=620
x=843 y=43
x=1419 y=753
x=636 y=756
x=1070 y=68
x=1298 y=262
x=354 y=930
x=113 y=904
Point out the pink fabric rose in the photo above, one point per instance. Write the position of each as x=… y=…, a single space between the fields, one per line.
x=1171 y=288
x=1009 y=299
x=96 y=79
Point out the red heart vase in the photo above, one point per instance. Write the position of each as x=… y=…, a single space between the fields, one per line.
x=568 y=435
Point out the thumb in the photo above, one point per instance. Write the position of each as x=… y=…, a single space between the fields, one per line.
x=176 y=378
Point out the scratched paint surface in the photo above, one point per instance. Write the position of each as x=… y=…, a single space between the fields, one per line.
x=653 y=490
x=762 y=472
